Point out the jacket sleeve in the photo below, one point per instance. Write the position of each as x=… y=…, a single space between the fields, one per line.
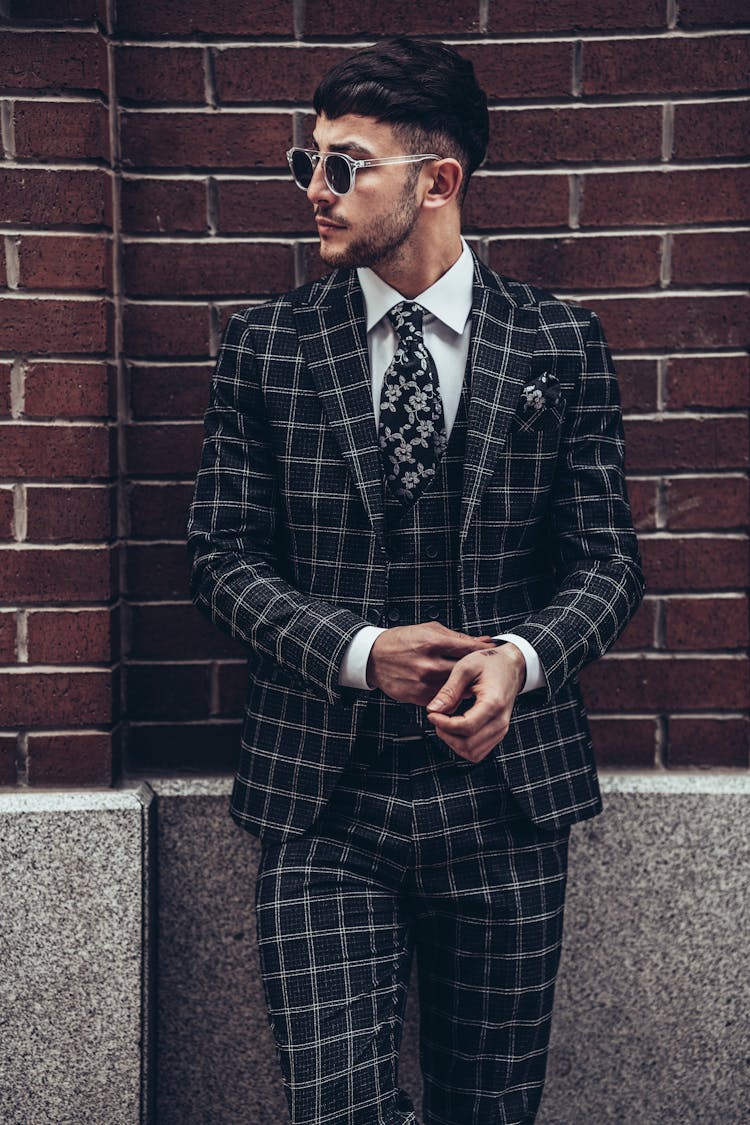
x=235 y=539
x=599 y=583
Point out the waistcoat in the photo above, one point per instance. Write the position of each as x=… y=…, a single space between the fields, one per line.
x=422 y=585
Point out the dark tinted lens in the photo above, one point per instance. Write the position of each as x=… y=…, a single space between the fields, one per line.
x=338 y=174
x=302 y=167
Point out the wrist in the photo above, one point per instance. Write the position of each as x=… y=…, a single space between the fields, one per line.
x=517 y=660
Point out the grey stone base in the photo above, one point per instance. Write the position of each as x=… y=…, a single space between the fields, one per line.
x=74 y=957
x=651 y=1022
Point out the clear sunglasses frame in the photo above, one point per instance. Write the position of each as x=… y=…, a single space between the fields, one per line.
x=354 y=165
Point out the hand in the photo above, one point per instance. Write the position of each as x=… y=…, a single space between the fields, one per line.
x=410 y=662
x=494 y=678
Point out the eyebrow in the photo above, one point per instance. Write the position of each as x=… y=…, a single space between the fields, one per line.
x=347 y=147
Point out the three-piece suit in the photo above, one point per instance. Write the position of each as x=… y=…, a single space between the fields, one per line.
x=296 y=545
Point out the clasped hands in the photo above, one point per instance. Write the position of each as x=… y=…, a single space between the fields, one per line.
x=438 y=668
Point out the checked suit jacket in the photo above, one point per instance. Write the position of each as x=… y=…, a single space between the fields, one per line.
x=287 y=533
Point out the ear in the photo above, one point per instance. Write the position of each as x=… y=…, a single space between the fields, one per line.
x=445 y=177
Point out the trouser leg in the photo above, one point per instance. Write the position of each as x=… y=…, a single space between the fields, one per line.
x=488 y=941
x=335 y=959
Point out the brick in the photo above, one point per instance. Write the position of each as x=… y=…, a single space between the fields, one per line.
x=711 y=129
x=697 y=741
x=522 y=70
x=644 y=501
x=55 y=325
x=169 y=392
x=70 y=759
x=64 y=262
x=50 y=452
x=8 y=744
x=708 y=381
x=575 y=134
x=55 y=698
x=205 y=17
x=34 y=575
x=624 y=742
x=6 y=513
x=640 y=630
x=664 y=198
x=162 y=691
x=712 y=13
x=159 y=511
x=69 y=514
x=207 y=268
x=82 y=636
x=701 y=624
x=157 y=572
x=232 y=690
x=7 y=638
x=69 y=390
x=674 y=322
x=3 y=269
x=164 y=450
x=166 y=330
x=64 y=130
x=715 y=258
x=700 y=562
x=41 y=198
x=206 y=140
x=708 y=503
x=164 y=206
x=516 y=201
x=206 y=748
x=711 y=442
x=370 y=18
x=157 y=632
x=273 y=74
x=5 y=370
x=672 y=683
x=572 y=15
x=263 y=207
x=70 y=60
x=160 y=74
x=638 y=383
x=580 y=263
x=666 y=65
x=37 y=10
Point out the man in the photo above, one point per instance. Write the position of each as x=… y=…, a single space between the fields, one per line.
x=411 y=508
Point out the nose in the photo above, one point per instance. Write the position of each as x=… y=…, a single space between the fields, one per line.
x=318 y=190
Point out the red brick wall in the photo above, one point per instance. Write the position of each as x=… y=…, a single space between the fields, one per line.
x=143 y=196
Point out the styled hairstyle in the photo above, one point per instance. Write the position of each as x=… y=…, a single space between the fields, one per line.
x=426 y=91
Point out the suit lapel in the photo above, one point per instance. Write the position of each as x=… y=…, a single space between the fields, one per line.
x=333 y=338
x=502 y=343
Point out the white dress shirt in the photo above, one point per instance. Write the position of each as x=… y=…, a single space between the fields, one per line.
x=447 y=333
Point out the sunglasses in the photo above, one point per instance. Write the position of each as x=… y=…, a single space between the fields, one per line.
x=339 y=170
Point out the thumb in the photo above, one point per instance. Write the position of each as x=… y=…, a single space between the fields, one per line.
x=453 y=690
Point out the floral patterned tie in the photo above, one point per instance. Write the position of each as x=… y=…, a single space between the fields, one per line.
x=412 y=429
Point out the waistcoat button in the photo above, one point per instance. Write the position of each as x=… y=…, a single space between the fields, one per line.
x=431 y=551
x=394 y=615
x=433 y=612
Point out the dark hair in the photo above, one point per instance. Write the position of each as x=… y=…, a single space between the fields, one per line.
x=426 y=91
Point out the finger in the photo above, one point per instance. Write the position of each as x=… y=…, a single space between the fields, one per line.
x=453 y=690
x=470 y=722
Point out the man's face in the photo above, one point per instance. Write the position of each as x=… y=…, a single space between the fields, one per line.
x=376 y=219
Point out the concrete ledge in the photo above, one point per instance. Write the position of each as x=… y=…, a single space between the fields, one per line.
x=74 y=941
x=652 y=1010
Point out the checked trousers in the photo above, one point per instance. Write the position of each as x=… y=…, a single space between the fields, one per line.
x=418 y=851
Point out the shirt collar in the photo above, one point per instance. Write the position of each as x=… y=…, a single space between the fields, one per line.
x=449 y=299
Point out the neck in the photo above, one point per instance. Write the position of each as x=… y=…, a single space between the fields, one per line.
x=420 y=262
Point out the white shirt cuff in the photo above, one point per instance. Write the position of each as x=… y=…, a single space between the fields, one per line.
x=353 y=670
x=535 y=677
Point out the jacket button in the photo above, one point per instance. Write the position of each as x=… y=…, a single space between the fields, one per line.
x=394 y=616
x=433 y=612
x=431 y=551
x=374 y=615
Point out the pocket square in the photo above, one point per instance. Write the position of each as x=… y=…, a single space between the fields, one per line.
x=543 y=392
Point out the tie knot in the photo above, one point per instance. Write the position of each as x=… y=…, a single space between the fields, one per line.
x=406 y=318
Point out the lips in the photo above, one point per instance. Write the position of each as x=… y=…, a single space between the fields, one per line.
x=326 y=224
